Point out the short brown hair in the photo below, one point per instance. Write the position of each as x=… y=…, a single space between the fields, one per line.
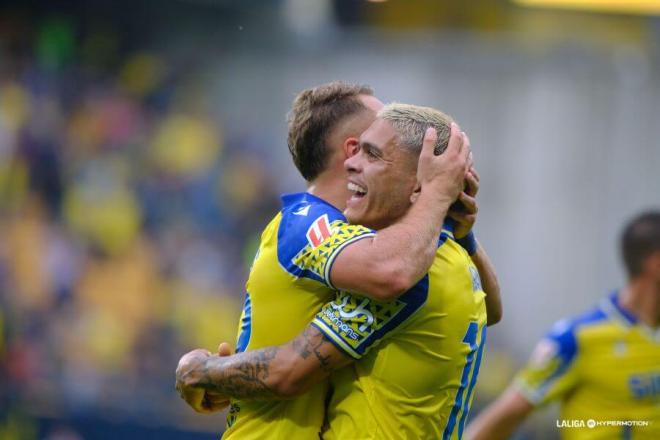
x=640 y=239
x=315 y=112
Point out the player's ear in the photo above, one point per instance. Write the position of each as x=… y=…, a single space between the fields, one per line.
x=416 y=192
x=351 y=146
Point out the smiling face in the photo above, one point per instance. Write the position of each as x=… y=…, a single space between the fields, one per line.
x=381 y=177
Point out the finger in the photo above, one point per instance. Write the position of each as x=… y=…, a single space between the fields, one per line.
x=463 y=218
x=212 y=407
x=467 y=152
x=455 y=144
x=214 y=402
x=211 y=399
x=472 y=184
x=428 y=144
x=457 y=215
x=469 y=203
x=473 y=171
x=224 y=349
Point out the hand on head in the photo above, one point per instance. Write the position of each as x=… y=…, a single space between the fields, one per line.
x=444 y=174
x=464 y=211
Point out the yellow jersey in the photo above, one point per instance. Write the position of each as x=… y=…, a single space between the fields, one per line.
x=604 y=368
x=420 y=381
x=287 y=285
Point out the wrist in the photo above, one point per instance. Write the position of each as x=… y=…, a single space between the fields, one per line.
x=434 y=200
x=469 y=243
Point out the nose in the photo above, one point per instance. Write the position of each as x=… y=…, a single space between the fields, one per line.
x=352 y=164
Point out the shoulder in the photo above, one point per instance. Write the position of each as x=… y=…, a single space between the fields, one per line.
x=564 y=333
x=305 y=220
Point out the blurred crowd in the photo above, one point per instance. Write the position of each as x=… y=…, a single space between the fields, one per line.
x=125 y=209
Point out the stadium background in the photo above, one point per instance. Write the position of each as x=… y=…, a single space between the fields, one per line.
x=142 y=149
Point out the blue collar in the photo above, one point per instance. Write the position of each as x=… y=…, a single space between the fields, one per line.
x=612 y=307
x=302 y=197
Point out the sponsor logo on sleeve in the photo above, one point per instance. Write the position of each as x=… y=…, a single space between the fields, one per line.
x=355 y=318
x=319 y=231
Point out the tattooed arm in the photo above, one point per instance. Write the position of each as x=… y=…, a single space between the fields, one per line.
x=271 y=373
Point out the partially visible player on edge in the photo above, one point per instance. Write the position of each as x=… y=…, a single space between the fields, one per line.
x=419 y=382
x=604 y=365
x=287 y=284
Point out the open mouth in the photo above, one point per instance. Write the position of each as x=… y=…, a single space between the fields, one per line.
x=357 y=190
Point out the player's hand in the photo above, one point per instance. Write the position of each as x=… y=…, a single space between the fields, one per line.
x=444 y=173
x=188 y=373
x=214 y=402
x=465 y=213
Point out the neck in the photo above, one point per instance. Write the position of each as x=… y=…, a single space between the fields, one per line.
x=642 y=299
x=331 y=187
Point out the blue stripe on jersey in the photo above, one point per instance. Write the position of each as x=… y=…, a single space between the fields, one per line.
x=563 y=334
x=473 y=381
x=621 y=313
x=414 y=298
x=299 y=212
x=471 y=339
x=246 y=325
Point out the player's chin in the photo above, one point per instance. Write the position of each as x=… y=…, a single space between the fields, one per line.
x=355 y=210
x=353 y=216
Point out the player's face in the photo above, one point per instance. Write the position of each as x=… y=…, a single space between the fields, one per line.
x=381 y=178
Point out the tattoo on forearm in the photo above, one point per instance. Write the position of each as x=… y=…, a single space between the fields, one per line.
x=243 y=377
x=310 y=342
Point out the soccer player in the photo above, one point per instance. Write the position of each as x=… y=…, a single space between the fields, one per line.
x=604 y=365
x=419 y=382
x=309 y=249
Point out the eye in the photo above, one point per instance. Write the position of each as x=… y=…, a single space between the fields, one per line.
x=371 y=153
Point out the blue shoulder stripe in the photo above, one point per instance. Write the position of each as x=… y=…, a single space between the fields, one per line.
x=564 y=332
x=299 y=213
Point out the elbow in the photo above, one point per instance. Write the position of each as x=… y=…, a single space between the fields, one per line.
x=494 y=316
x=391 y=287
x=392 y=283
x=494 y=319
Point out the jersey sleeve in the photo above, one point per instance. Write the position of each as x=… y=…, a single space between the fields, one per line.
x=324 y=241
x=355 y=324
x=551 y=371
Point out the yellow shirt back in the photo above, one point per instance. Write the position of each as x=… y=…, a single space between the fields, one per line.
x=419 y=383
x=604 y=368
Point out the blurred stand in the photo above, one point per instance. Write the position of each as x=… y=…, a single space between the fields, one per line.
x=143 y=149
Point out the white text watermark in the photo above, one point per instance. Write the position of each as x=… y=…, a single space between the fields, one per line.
x=591 y=423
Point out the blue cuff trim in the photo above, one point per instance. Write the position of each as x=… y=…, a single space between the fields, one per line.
x=469 y=243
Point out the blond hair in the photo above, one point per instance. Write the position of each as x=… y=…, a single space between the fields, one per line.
x=411 y=122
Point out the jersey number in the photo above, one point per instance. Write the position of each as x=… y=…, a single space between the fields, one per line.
x=462 y=401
